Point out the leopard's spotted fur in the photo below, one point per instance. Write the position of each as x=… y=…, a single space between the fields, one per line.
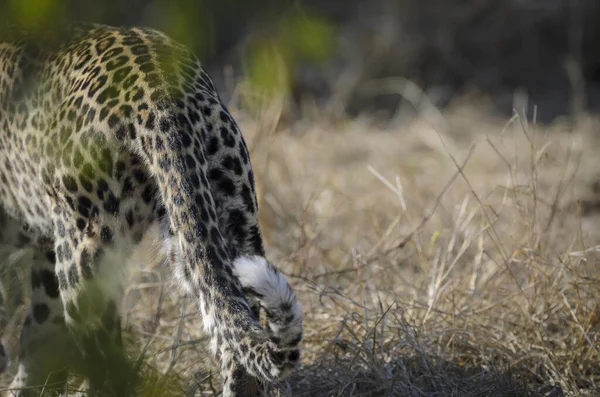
x=103 y=132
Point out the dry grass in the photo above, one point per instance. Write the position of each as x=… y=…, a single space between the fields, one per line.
x=430 y=261
x=444 y=260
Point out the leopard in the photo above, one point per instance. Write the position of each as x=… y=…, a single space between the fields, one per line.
x=106 y=132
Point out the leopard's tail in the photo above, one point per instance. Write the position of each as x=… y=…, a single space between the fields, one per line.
x=175 y=157
x=265 y=284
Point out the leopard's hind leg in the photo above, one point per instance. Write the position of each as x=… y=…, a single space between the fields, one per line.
x=44 y=345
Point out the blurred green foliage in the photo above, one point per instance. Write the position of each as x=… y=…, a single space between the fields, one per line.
x=308 y=35
x=272 y=59
x=33 y=13
x=280 y=34
x=188 y=22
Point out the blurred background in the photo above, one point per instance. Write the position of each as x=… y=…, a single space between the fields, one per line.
x=325 y=51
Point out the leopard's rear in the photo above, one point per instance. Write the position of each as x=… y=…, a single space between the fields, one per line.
x=104 y=132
